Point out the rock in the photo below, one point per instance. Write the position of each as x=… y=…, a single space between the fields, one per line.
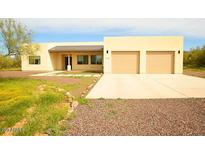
x=68 y=94
x=70 y=99
x=74 y=104
x=60 y=89
x=90 y=86
x=41 y=88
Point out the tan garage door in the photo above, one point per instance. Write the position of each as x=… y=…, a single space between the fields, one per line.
x=125 y=62
x=160 y=62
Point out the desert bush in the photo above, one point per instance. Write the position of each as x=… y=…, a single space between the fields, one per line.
x=7 y=62
x=195 y=58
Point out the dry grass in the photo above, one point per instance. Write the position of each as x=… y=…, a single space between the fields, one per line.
x=39 y=102
x=198 y=72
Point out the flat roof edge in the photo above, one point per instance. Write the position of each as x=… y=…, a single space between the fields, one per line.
x=71 y=43
x=144 y=36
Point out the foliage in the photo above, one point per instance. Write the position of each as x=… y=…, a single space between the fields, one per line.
x=8 y=63
x=82 y=100
x=17 y=38
x=195 y=58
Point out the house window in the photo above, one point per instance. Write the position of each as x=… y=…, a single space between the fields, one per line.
x=96 y=59
x=36 y=60
x=82 y=59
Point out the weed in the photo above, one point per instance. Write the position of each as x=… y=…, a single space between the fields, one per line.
x=101 y=98
x=82 y=100
x=110 y=114
x=109 y=105
x=72 y=116
x=18 y=95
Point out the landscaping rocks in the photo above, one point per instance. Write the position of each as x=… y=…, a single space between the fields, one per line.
x=139 y=117
x=68 y=94
x=74 y=104
x=60 y=90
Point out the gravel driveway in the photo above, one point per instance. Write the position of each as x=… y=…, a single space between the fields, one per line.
x=140 y=117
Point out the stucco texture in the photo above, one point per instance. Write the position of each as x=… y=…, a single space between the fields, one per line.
x=144 y=44
x=54 y=61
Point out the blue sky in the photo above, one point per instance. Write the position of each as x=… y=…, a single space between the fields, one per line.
x=90 y=29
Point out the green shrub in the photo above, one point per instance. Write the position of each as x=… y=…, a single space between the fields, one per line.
x=82 y=100
x=7 y=62
x=195 y=58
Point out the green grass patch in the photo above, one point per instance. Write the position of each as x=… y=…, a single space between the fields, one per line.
x=39 y=102
x=17 y=95
x=82 y=100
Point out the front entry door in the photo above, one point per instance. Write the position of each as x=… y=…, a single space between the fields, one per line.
x=68 y=61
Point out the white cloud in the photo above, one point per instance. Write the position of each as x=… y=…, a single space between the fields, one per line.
x=186 y=27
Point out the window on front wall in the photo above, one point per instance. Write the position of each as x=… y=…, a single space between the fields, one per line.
x=96 y=59
x=82 y=59
x=35 y=60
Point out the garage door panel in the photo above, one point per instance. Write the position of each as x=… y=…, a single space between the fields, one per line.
x=125 y=62
x=160 y=62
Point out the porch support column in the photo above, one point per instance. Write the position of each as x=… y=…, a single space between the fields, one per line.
x=69 y=65
x=68 y=59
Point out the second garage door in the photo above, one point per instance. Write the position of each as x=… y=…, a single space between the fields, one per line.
x=125 y=62
x=160 y=62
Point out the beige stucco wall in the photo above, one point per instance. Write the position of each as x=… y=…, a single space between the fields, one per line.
x=90 y=66
x=45 y=65
x=52 y=61
x=143 y=44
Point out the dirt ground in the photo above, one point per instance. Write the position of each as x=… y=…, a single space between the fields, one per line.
x=139 y=117
x=26 y=74
x=200 y=74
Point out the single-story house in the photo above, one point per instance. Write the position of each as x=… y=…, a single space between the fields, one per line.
x=131 y=55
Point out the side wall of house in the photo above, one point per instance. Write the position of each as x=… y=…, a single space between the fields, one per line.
x=45 y=64
x=144 y=44
x=54 y=61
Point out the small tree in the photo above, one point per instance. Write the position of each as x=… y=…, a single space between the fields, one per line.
x=195 y=58
x=16 y=37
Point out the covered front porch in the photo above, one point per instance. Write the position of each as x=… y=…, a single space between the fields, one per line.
x=77 y=58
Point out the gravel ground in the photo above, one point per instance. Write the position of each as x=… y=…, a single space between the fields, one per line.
x=139 y=117
x=26 y=74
